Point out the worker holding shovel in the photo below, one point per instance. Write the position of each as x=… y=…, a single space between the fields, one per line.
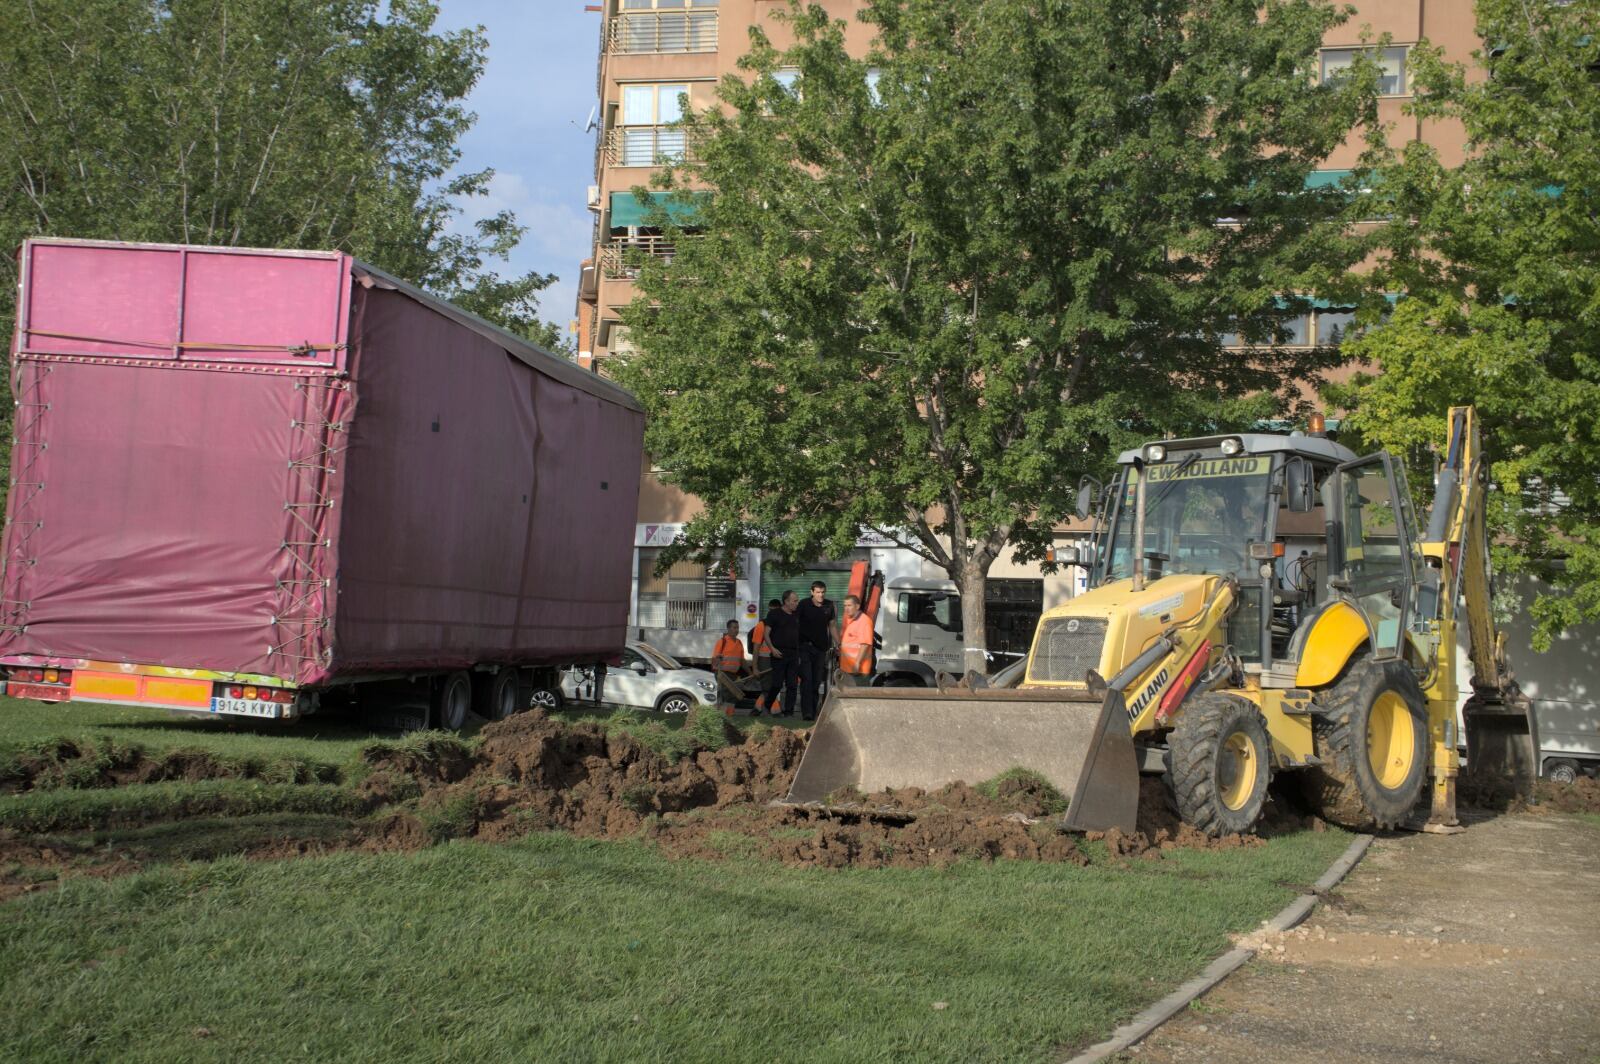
x=727 y=661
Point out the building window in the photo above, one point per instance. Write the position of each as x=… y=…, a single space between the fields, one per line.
x=665 y=26
x=789 y=78
x=873 y=74
x=1295 y=331
x=1333 y=326
x=688 y=598
x=647 y=113
x=1391 y=67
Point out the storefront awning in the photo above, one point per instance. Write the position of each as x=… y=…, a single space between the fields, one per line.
x=626 y=210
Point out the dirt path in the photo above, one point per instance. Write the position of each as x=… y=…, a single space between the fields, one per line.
x=1483 y=946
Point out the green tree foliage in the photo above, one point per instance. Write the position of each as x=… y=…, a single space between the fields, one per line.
x=275 y=123
x=1500 y=259
x=927 y=306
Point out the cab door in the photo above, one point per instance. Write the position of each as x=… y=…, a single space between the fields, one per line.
x=1376 y=532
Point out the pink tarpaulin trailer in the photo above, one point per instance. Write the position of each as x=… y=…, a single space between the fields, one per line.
x=285 y=469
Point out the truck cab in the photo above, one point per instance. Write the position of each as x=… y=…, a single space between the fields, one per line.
x=920 y=627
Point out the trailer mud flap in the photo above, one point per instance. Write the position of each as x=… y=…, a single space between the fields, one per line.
x=875 y=739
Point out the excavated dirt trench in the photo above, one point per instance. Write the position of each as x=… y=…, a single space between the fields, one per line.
x=532 y=773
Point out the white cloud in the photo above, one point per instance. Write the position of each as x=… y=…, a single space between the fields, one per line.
x=558 y=303
x=559 y=229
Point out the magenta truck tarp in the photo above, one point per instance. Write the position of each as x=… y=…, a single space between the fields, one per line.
x=290 y=464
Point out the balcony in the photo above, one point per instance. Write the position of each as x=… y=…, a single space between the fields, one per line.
x=619 y=257
x=681 y=31
x=646 y=146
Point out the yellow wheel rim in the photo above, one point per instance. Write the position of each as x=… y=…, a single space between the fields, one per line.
x=1391 y=740
x=1236 y=770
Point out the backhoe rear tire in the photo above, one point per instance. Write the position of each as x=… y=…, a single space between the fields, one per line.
x=1219 y=762
x=1371 y=734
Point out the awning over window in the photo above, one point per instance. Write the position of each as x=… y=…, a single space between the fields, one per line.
x=626 y=210
x=1326 y=178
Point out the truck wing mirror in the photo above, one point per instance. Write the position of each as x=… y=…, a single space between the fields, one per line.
x=1088 y=487
x=1299 y=485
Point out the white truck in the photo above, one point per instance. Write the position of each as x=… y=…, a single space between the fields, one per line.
x=1564 y=685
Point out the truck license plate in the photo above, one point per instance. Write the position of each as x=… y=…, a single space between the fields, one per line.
x=245 y=707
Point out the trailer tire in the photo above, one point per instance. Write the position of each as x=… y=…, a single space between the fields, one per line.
x=1371 y=735
x=452 y=700
x=1219 y=762
x=1562 y=770
x=496 y=695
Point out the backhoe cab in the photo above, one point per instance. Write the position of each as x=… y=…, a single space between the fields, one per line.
x=1225 y=658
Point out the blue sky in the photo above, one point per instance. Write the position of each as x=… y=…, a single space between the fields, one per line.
x=532 y=102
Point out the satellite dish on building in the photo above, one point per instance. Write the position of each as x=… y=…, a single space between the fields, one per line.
x=594 y=113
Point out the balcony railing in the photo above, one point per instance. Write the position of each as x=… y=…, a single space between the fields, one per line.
x=646 y=145
x=620 y=257
x=679 y=31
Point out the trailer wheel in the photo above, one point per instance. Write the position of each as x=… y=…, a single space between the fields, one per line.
x=1372 y=736
x=1218 y=764
x=452 y=699
x=1561 y=770
x=495 y=694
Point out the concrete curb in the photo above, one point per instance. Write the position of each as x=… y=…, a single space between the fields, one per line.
x=1140 y=1026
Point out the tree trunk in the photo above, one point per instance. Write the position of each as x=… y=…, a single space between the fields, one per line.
x=972 y=577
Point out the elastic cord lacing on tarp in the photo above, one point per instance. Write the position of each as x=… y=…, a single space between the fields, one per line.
x=318 y=440
x=27 y=482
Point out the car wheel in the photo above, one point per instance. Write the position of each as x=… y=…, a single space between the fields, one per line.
x=674 y=702
x=547 y=698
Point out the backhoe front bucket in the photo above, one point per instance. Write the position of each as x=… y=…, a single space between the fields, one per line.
x=875 y=739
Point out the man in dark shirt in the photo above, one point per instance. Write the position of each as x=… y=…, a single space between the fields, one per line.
x=819 y=633
x=783 y=632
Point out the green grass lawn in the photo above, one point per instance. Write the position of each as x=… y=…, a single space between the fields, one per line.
x=555 y=948
x=326 y=740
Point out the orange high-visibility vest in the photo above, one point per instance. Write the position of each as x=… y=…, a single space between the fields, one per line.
x=855 y=646
x=729 y=655
x=760 y=645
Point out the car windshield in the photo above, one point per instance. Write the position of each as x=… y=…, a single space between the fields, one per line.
x=1201 y=515
x=663 y=661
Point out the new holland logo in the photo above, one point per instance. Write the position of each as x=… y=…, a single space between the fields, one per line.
x=1072 y=625
x=1153 y=688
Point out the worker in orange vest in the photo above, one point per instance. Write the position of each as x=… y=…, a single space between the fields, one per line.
x=855 y=646
x=761 y=653
x=727 y=661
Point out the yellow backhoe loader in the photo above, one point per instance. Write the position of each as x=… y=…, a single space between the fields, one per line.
x=1195 y=655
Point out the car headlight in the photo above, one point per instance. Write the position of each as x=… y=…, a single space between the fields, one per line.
x=706 y=685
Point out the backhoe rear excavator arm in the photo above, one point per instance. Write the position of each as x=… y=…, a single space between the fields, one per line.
x=1502 y=736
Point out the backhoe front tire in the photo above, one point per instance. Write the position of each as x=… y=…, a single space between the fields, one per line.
x=1219 y=764
x=1371 y=734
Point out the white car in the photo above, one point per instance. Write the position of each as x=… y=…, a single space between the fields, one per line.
x=646 y=679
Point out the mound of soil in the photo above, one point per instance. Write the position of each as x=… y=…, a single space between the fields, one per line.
x=1501 y=796
x=1580 y=796
x=532 y=773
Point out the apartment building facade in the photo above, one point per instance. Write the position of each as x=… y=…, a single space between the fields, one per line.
x=655 y=57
